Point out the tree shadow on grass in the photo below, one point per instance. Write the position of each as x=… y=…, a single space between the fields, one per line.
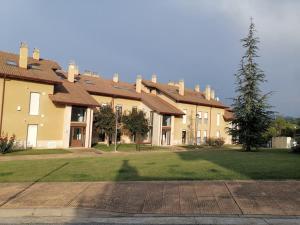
x=264 y=164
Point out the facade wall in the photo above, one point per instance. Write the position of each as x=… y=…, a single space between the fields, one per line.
x=211 y=128
x=16 y=118
x=127 y=105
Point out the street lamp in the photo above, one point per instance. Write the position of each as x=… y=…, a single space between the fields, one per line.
x=116 y=127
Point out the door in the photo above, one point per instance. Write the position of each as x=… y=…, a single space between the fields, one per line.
x=183 y=135
x=31 y=135
x=166 y=137
x=77 y=136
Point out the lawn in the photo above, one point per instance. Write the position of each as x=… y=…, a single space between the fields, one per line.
x=36 y=152
x=187 y=165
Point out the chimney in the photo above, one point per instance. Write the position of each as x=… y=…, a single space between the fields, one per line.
x=181 y=87
x=197 y=88
x=76 y=70
x=212 y=94
x=154 y=78
x=36 y=54
x=207 y=92
x=138 y=84
x=23 y=58
x=116 y=77
x=72 y=71
x=171 y=83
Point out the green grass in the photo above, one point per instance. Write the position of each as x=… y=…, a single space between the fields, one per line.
x=188 y=165
x=36 y=152
x=128 y=148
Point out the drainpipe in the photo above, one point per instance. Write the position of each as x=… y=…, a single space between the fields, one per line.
x=209 y=122
x=2 y=103
x=196 y=124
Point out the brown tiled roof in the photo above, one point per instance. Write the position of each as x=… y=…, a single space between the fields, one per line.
x=189 y=97
x=41 y=71
x=72 y=94
x=228 y=115
x=100 y=86
x=159 y=105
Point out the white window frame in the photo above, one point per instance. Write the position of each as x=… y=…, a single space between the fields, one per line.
x=184 y=116
x=218 y=134
x=204 y=136
x=34 y=109
x=206 y=117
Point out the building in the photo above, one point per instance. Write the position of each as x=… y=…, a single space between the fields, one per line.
x=46 y=107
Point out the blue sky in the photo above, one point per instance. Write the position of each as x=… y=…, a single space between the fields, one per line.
x=198 y=41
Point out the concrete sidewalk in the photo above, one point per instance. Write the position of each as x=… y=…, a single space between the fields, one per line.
x=242 y=198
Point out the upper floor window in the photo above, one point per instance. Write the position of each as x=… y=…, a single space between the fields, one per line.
x=166 y=121
x=218 y=119
x=184 y=116
x=199 y=116
x=205 y=118
x=134 y=109
x=78 y=114
x=34 y=106
x=119 y=113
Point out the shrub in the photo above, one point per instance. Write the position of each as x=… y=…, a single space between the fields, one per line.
x=6 y=144
x=215 y=142
x=296 y=149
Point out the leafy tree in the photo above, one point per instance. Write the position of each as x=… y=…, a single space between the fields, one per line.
x=252 y=112
x=137 y=125
x=281 y=127
x=105 y=121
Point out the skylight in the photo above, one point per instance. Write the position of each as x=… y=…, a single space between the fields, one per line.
x=11 y=63
x=88 y=82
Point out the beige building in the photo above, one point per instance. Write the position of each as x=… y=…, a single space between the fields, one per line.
x=46 y=107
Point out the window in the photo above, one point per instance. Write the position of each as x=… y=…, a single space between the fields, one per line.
x=11 y=63
x=218 y=119
x=34 y=107
x=205 y=118
x=166 y=121
x=184 y=116
x=151 y=118
x=204 y=136
x=198 y=137
x=218 y=134
x=78 y=114
x=199 y=116
x=134 y=109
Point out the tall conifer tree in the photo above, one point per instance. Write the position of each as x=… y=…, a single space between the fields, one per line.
x=251 y=109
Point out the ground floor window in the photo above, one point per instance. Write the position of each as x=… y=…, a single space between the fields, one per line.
x=204 y=136
x=198 y=138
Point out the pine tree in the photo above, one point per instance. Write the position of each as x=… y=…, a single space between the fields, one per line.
x=251 y=109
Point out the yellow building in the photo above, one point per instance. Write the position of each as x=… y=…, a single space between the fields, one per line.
x=46 y=107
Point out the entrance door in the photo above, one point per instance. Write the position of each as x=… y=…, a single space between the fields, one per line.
x=166 y=137
x=183 y=137
x=77 y=136
x=32 y=135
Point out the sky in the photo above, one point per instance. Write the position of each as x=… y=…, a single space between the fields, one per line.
x=194 y=40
